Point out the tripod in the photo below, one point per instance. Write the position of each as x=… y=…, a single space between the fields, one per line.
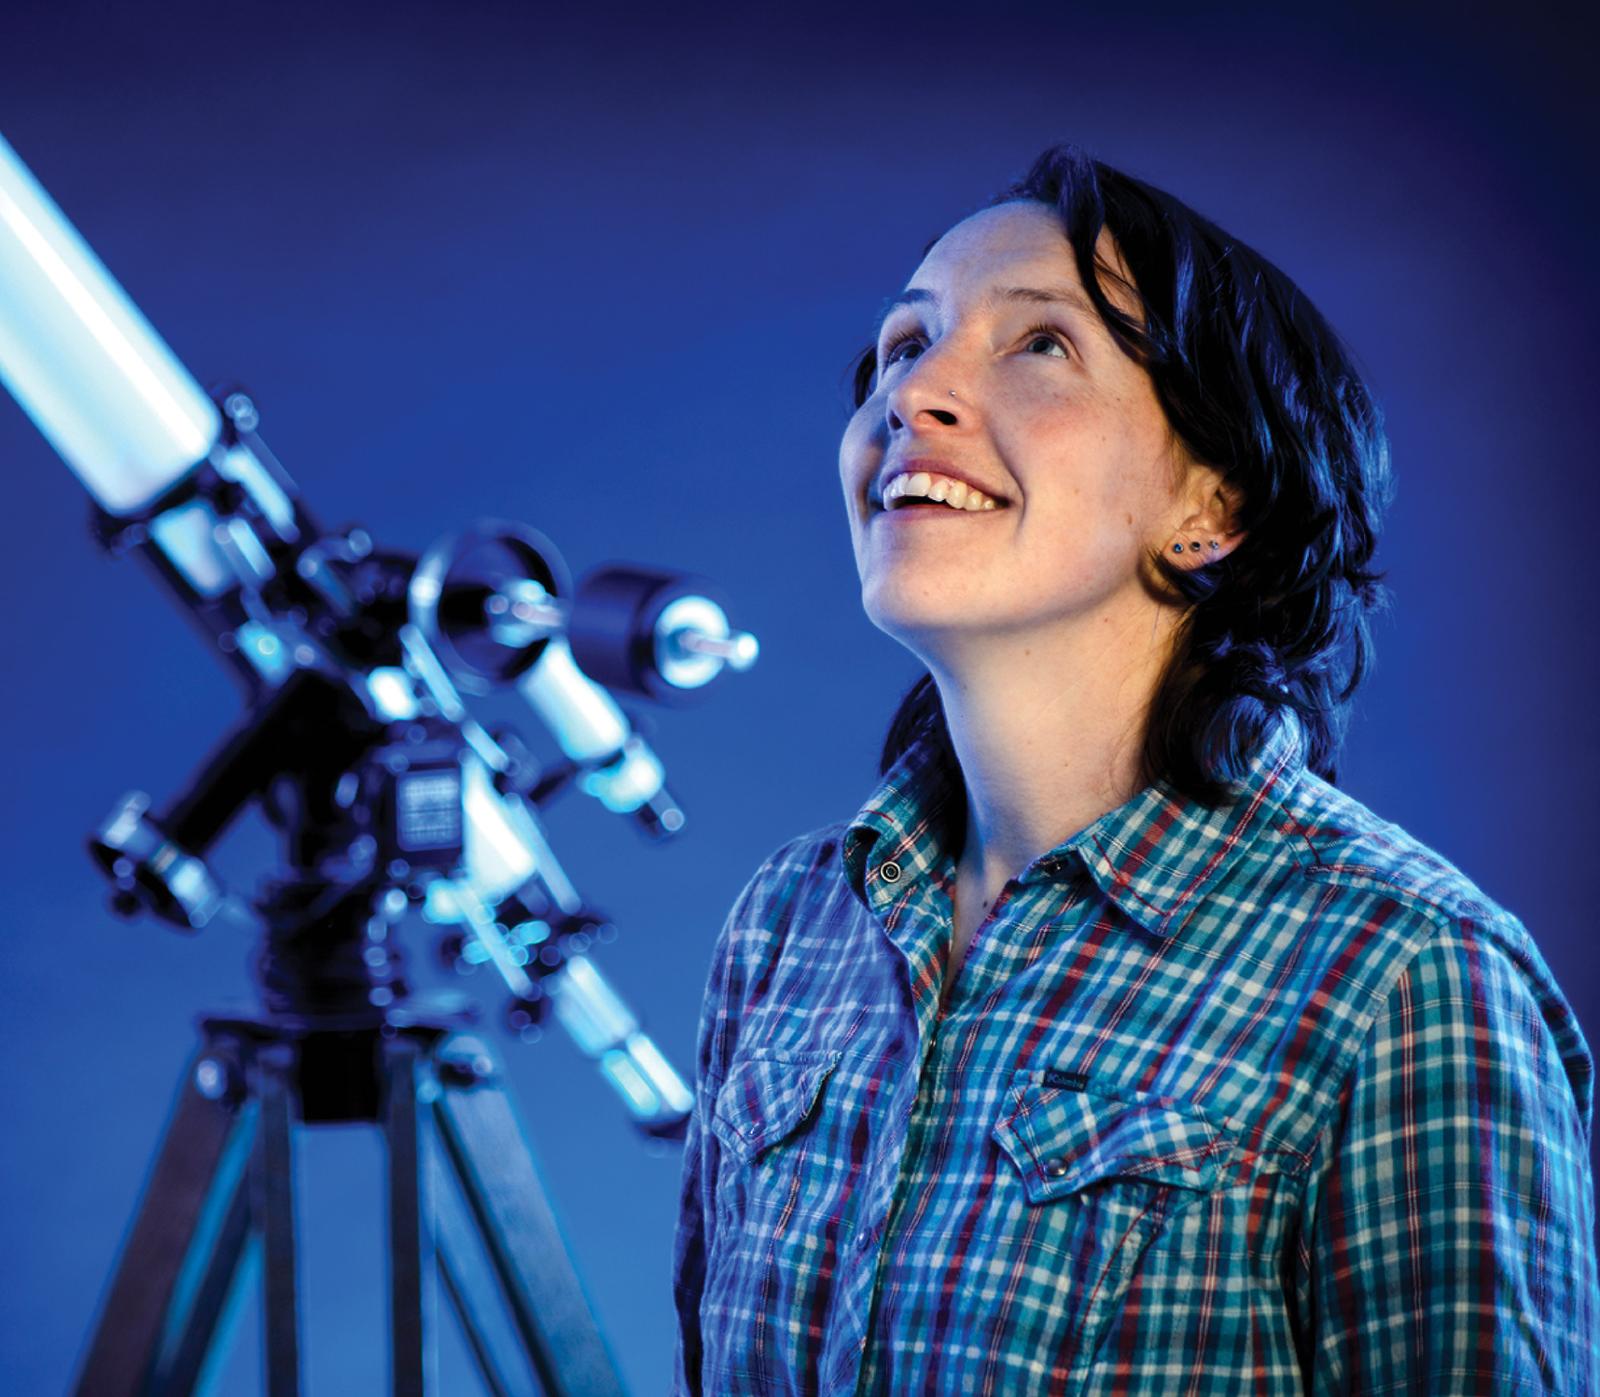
x=223 y=1177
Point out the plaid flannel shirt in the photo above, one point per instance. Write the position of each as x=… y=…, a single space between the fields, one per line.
x=1263 y=1098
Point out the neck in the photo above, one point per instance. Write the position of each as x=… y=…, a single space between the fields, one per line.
x=1049 y=734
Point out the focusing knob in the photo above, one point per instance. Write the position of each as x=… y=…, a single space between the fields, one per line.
x=147 y=870
x=661 y=635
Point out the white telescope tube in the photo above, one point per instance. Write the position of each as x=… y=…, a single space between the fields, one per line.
x=586 y=721
x=84 y=363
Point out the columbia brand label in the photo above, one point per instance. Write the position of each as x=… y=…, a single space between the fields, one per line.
x=1072 y=1081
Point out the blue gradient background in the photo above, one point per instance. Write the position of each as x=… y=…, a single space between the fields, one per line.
x=605 y=275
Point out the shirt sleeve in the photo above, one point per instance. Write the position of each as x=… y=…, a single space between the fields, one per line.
x=718 y=1026
x=1448 y=1241
x=689 y=1251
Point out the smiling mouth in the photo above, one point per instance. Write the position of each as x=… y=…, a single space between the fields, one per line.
x=925 y=488
x=926 y=509
x=919 y=504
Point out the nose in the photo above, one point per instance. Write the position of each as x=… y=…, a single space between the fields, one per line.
x=924 y=395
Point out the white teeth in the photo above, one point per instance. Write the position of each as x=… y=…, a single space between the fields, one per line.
x=940 y=489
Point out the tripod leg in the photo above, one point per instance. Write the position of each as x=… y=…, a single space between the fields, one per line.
x=470 y=1283
x=134 y=1323
x=492 y=1161
x=413 y=1307
x=180 y=1369
x=272 y=1185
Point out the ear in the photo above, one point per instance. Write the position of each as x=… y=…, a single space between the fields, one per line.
x=1209 y=530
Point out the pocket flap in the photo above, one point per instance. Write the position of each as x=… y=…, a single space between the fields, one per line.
x=1061 y=1139
x=764 y=1098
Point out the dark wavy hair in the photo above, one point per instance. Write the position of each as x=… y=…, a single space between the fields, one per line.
x=1255 y=383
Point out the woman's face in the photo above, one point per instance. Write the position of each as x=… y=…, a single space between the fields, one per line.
x=994 y=368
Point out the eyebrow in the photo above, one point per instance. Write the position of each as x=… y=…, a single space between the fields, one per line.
x=1034 y=295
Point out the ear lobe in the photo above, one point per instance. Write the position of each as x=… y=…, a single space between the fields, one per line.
x=1219 y=545
x=1211 y=531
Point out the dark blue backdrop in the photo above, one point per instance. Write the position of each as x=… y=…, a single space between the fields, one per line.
x=605 y=276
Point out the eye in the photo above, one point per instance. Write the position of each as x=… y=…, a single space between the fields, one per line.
x=1046 y=339
x=905 y=345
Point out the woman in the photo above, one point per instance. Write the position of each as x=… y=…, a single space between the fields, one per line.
x=1110 y=1047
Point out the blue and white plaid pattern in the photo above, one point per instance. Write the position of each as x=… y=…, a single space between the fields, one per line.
x=1266 y=1098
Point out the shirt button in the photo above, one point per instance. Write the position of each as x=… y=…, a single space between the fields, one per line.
x=890 y=872
x=1054 y=1168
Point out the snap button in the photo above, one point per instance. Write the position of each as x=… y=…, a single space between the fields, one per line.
x=1055 y=1167
x=890 y=872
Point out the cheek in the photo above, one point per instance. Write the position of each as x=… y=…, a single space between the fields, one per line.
x=1052 y=409
x=856 y=448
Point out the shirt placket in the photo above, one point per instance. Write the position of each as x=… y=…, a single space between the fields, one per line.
x=910 y=922
x=912 y=925
x=915 y=1114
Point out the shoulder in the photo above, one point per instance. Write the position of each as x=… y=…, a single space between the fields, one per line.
x=1344 y=843
x=1387 y=891
x=1440 y=963
x=798 y=861
x=791 y=879
x=800 y=883
x=1345 y=924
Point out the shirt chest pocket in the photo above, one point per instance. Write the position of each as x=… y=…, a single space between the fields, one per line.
x=764 y=1118
x=1062 y=1137
x=1088 y=1178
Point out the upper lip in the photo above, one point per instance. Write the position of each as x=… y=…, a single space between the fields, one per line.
x=914 y=464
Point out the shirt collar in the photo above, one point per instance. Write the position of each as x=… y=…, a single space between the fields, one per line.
x=1152 y=856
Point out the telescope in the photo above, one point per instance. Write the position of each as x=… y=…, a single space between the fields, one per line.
x=361 y=668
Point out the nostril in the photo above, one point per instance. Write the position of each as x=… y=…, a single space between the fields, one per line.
x=948 y=418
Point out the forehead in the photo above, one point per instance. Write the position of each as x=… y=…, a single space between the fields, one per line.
x=994 y=240
x=1020 y=243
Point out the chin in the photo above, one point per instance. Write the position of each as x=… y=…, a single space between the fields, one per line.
x=914 y=621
